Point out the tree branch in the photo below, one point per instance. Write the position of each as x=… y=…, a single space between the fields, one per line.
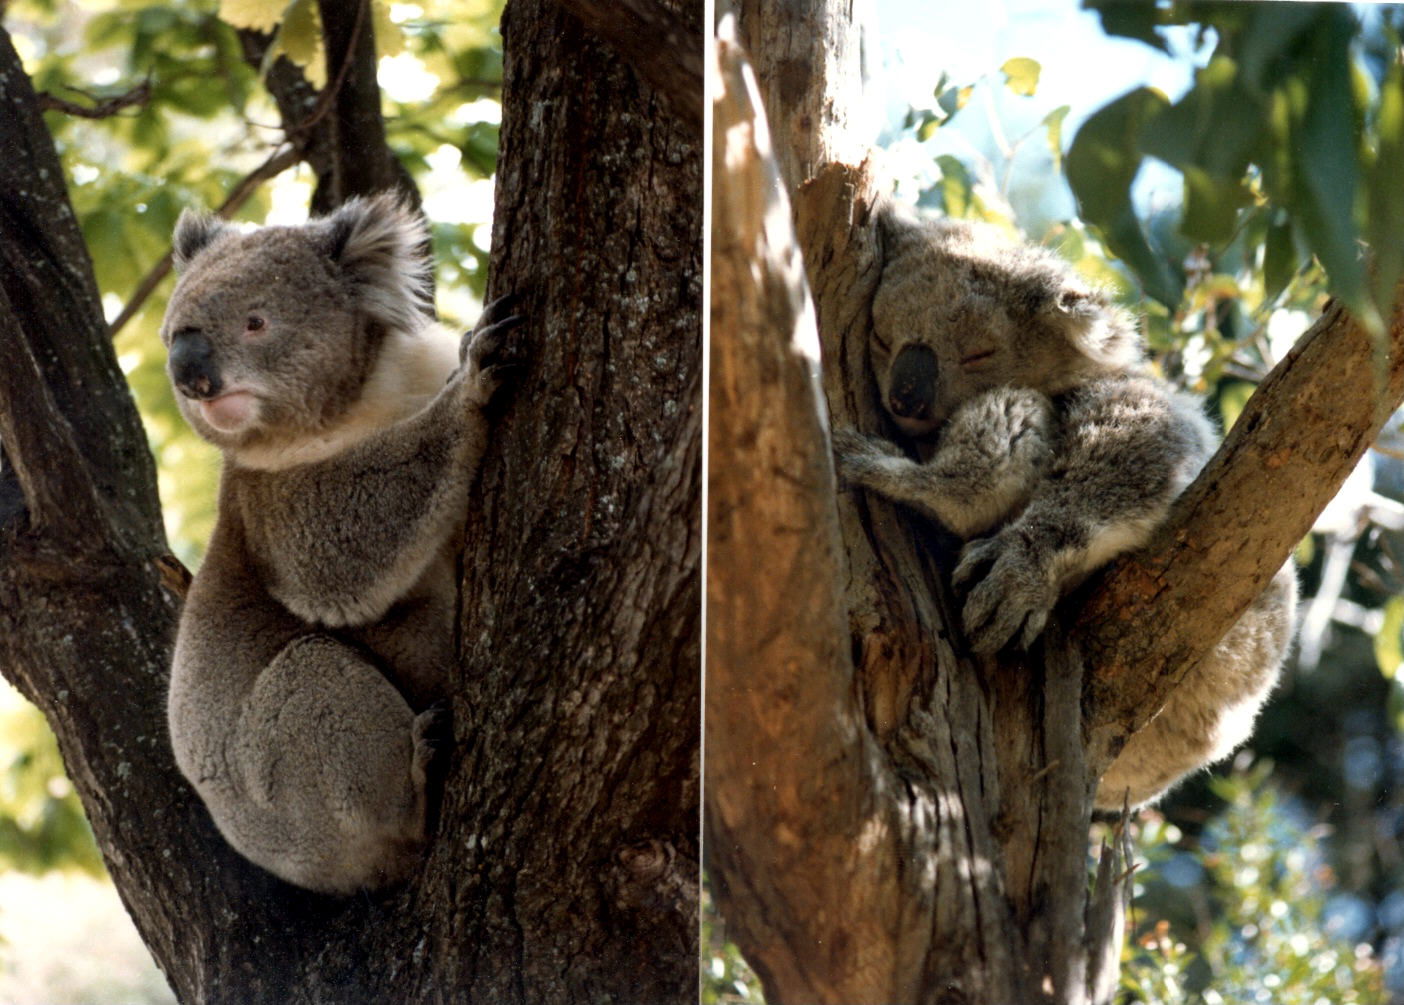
x=664 y=47
x=797 y=796
x=101 y=109
x=1146 y=621
x=808 y=58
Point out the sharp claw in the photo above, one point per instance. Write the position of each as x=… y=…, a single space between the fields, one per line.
x=494 y=309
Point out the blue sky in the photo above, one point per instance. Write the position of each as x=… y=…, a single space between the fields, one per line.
x=1081 y=67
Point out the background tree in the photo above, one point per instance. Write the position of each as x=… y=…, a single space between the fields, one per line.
x=565 y=858
x=910 y=837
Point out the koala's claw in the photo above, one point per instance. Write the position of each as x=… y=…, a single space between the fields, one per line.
x=1010 y=601
x=498 y=310
x=487 y=344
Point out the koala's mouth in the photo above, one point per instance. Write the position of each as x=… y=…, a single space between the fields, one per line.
x=230 y=412
x=974 y=360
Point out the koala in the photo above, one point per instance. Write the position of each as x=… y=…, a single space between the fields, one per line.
x=1050 y=449
x=317 y=634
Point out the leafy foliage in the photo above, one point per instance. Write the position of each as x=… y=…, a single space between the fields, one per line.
x=42 y=826
x=1291 y=126
x=727 y=979
x=1263 y=933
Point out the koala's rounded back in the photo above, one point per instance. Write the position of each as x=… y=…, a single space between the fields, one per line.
x=976 y=309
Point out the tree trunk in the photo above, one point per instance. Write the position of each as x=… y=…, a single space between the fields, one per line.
x=889 y=820
x=563 y=867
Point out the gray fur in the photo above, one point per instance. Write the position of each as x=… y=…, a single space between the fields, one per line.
x=1053 y=439
x=318 y=630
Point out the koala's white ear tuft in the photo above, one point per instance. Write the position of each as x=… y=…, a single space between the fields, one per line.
x=194 y=231
x=1095 y=326
x=379 y=244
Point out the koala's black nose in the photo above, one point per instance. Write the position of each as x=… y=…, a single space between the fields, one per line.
x=912 y=383
x=194 y=370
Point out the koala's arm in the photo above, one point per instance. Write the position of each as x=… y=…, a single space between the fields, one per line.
x=341 y=540
x=991 y=454
x=1128 y=447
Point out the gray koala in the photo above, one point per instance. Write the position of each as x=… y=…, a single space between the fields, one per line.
x=1051 y=449
x=317 y=633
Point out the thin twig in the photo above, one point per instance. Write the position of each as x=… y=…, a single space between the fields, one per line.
x=280 y=161
x=103 y=109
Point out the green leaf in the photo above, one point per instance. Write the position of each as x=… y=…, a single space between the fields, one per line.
x=261 y=15
x=1053 y=123
x=1021 y=75
x=1130 y=20
x=1389 y=640
x=955 y=187
x=954 y=100
x=1211 y=206
x=301 y=35
x=1324 y=138
x=1280 y=260
x=1102 y=164
x=1386 y=189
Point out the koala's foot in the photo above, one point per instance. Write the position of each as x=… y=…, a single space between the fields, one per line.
x=1010 y=593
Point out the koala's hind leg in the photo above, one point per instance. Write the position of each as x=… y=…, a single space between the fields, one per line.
x=991 y=454
x=336 y=760
x=1211 y=712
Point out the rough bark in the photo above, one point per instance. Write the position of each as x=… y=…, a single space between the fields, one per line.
x=966 y=876
x=579 y=715
x=664 y=47
x=564 y=864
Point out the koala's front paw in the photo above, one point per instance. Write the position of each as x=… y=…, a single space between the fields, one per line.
x=486 y=351
x=858 y=456
x=1011 y=594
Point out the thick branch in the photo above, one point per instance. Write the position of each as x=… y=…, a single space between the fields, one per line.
x=664 y=47
x=809 y=58
x=795 y=792
x=70 y=430
x=365 y=164
x=1159 y=611
x=53 y=479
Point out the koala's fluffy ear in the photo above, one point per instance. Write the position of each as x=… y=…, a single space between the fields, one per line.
x=1093 y=324
x=379 y=244
x=194 y=231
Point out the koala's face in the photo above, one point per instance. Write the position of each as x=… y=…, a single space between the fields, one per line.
x=963 y=309
x=273 y=333
x=262 y=335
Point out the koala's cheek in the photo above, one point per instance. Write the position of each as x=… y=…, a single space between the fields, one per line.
x=229 y=413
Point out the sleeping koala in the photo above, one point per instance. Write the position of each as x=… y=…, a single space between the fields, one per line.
x=1051 y=450
x=318 y=632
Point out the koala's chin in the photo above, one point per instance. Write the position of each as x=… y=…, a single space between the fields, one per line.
x=230 y=413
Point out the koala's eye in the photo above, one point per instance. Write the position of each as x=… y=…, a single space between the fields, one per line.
x=255 y=323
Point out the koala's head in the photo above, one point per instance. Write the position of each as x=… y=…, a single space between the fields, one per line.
x=961 y=308
x=273 y=332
